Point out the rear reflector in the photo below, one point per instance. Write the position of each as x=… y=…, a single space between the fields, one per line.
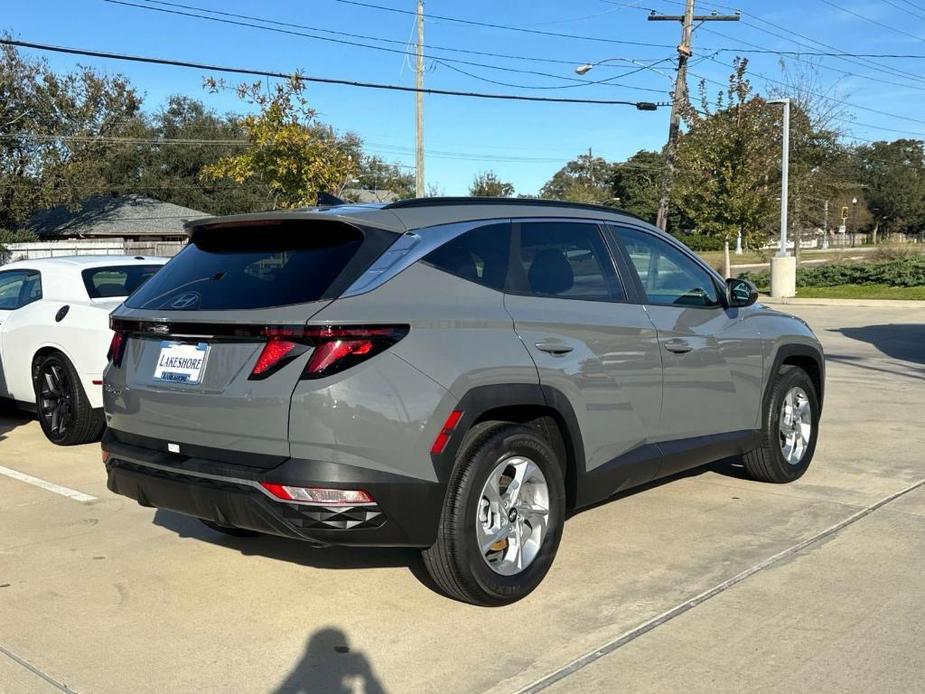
x=315 y=495
x=446 y=432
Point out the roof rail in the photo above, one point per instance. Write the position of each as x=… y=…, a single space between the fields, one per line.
x=533 y=202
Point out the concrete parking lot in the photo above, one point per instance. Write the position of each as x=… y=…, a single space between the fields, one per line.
x=707 y=582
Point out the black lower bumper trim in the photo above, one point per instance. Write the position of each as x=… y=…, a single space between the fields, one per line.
x=406 y=513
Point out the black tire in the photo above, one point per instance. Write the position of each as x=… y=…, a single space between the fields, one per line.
x=454 y=561
x=767 y=462
x=62 y=406
x=229 y=530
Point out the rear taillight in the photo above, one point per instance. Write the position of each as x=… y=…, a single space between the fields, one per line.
x=336 y=347
x=116 y=348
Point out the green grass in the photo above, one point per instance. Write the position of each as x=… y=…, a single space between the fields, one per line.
x=861 y=291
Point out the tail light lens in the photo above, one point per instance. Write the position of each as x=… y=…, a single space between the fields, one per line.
x=336 y=347
x=116 y=348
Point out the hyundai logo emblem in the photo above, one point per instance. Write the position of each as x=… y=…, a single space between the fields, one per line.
x=185 y=300
x=159 y=328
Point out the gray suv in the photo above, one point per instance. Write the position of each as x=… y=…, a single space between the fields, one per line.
x=456 y=375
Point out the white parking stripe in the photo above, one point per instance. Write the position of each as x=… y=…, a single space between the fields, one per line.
x=48 y=486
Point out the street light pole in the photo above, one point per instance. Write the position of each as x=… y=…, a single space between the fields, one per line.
x=784 y=265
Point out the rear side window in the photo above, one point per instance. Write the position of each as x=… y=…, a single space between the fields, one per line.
x=262 y=265
x=480 y=255
x=567 y=260
x=122 y=280
x=19 y=288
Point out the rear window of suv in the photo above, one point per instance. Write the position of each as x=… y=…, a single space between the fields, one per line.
x=262 y=265
x=122 y=280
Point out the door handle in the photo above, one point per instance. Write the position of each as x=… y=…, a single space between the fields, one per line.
x=556 y=349
x=678 y=346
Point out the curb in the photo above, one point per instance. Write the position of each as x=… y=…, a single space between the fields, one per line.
x=871 y=303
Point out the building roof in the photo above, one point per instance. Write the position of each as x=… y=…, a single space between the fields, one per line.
x=113 y=216
x=84 y=262
x=364 y=195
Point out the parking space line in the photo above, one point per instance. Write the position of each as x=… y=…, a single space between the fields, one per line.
x=48 y=486
x=35 y=671
x=634 y=633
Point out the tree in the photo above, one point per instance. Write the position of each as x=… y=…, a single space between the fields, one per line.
x=488 y=185
x=56 y=133
x=893 y=174
x=636 y=183
x=584 y=179
x=377 y=174
x=726 y=162
x=291 y=152
x=20 y=236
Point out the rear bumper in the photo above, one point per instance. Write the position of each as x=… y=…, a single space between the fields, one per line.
x=406 y=512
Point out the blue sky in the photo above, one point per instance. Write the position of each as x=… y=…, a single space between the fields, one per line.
x=522 y=142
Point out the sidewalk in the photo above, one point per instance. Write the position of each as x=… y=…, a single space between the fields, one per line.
x=872 y=303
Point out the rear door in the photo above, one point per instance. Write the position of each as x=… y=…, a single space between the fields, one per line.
x=712 y=355
x=588 y=341
x=198 y=367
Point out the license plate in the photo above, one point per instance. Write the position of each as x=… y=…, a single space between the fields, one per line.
x=181 y=362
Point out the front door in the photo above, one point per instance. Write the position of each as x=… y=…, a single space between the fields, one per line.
x=712 y=355
x=589 y=344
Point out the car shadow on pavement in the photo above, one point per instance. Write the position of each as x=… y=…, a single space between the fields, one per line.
x=330 y=664
x=11 y=418
x=301 y=553
x=902 y=341
x=728 y=467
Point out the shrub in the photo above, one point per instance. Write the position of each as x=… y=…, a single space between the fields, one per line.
x=895 y=252
x=906 y=271
x=701 y=242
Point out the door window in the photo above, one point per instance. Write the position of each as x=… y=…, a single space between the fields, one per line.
x=567 y=260
x=18 y=288
x=667 y=275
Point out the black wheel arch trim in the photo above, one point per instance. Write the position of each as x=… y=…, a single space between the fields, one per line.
x=789 y=350
x=481 y=400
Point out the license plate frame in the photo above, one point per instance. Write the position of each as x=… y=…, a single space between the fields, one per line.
x=181 y=373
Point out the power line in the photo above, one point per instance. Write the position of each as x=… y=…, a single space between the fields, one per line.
x=429 y=47
x=345 y=42
x=825 y=97
x=641 y=105
x=487 y=25
x=905 y=9
x=870 y=20
x=527 y=86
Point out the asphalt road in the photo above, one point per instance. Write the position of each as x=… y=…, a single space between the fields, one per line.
x=708 y=582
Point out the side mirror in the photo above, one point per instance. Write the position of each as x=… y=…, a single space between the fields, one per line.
x=740 y=293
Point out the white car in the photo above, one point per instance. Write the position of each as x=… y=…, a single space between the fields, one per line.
x=54 y=335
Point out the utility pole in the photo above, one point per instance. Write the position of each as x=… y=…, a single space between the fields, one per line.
x=680 y=94
x=419 y=185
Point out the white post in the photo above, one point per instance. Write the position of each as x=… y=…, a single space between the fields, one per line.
x=784 y=265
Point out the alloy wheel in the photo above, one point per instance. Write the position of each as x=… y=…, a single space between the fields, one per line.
x=795 y=425
x=55 y=399
x=512 y=515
